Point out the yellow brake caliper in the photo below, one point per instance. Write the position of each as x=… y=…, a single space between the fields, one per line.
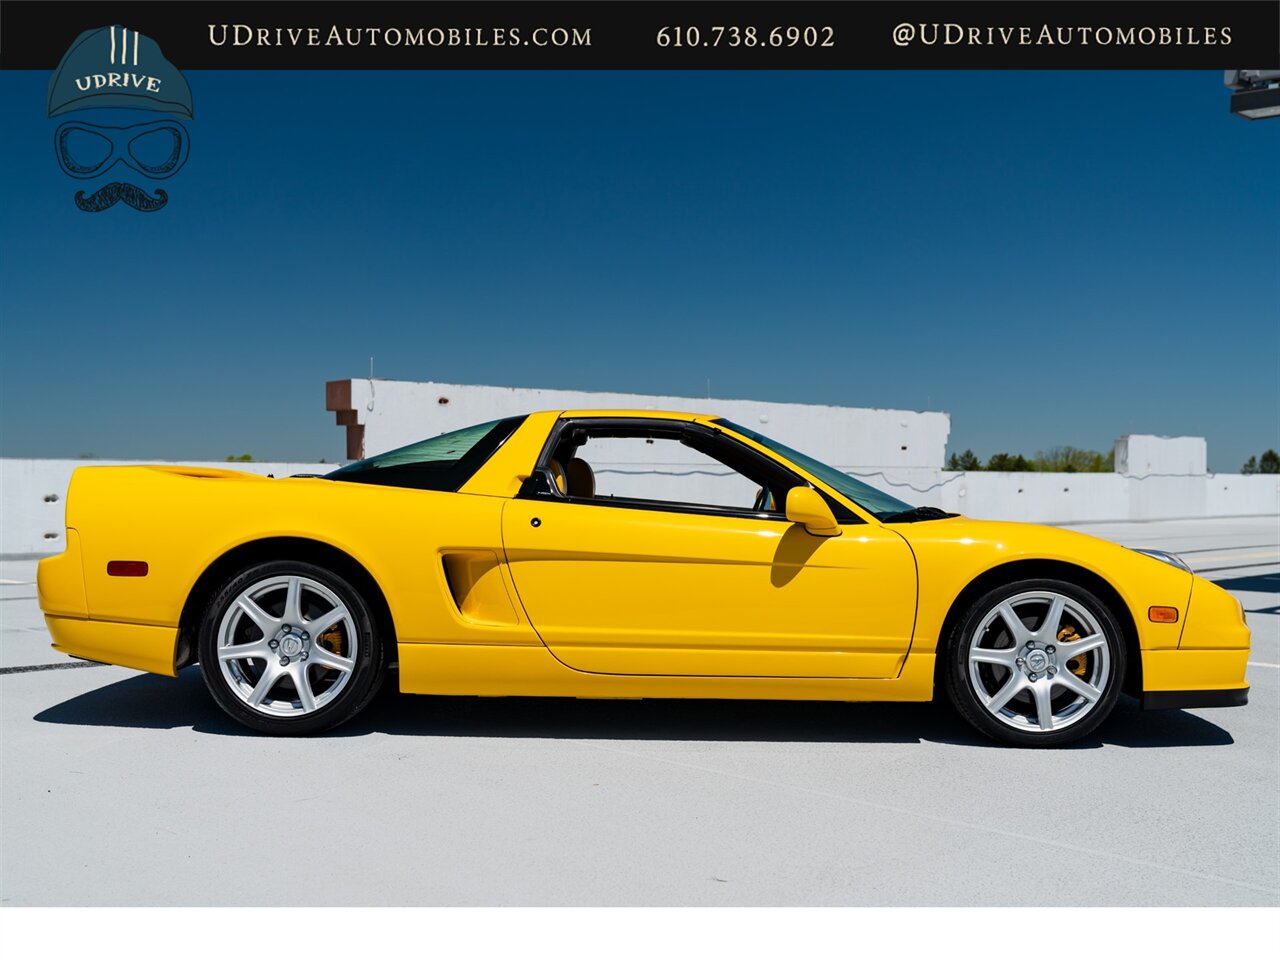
x=331 y=640
x=1076 y=664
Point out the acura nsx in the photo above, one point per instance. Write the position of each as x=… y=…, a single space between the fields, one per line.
x=562 y=554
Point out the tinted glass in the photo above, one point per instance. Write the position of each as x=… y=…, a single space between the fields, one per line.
x=445 y=462
x=864 y=495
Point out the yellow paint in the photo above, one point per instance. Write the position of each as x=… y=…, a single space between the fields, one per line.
x=513 y=461
x=616 y=590
x=1215 y=619
x=950 y=554
x=476 y=584
x=124 y=644
x=60 y=582
x=1194 y=669
x=807 y=508
x=597 y=601
x=476 y=670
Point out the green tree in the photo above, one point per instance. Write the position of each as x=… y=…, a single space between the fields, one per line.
x=1250 y=466
x=1269 y=462
x=243 y=458
x=1009 y=463
x=1074 y=460
x=964 y=461
x=1102 y=464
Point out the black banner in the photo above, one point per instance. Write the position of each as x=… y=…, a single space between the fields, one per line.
x=754 y=34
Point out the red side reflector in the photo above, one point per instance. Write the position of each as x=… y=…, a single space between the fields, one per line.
x=1163 y=614
x=126 y=568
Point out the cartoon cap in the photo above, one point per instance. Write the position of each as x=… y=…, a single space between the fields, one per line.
x=117 y=67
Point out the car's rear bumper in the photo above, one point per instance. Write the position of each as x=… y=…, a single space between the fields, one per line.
x=133 y=645
x=60 y=581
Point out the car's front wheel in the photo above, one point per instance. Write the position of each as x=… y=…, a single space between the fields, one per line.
x=1036 y=663
x=288 y=647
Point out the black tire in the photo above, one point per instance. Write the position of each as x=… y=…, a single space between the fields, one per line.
x=339 y=686
x=976 y=684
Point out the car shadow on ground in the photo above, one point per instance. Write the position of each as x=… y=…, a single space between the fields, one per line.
x=1254 y=583
x=152 y=702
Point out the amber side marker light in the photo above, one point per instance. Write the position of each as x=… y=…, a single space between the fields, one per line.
x=1163 y=614
x=131 y=568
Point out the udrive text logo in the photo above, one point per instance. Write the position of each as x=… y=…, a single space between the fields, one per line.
x=96 y=81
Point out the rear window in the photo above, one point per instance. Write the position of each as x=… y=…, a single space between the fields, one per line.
x=445 y=462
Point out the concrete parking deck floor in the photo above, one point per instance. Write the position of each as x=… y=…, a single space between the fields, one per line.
x=121 y=788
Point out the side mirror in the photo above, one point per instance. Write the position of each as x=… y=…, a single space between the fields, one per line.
x=806 y=506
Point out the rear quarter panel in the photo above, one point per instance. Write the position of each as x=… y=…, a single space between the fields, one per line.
x=180 y=521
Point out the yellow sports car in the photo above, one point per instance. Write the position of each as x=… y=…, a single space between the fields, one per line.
x=620 y=553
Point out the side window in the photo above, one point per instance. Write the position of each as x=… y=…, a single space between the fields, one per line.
x=664 y=470
x=662 y=465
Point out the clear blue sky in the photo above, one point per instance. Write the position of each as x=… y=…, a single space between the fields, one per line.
x=1052 y=258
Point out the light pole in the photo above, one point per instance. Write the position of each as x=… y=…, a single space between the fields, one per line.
x=1256 y=93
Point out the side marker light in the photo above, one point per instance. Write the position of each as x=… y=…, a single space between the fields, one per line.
x=126 y=568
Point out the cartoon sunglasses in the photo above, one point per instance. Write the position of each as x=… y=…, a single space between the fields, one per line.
x=157 y=149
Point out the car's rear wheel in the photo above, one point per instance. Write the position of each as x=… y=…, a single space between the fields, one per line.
x=1036 y=663
x=287 y=647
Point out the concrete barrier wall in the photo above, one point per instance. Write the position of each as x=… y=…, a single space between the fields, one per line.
x=1231 y=494
x=1037 y=497
x=1086 y=497
x=33 y=494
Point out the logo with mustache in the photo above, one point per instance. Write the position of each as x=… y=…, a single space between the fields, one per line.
x=108 y=196
x=112 y=72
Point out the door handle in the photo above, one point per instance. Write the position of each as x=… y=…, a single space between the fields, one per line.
x=535 y=522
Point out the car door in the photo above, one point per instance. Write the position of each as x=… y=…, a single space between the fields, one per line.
x=639 y=583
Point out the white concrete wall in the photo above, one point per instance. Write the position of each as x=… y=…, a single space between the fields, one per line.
x=1036 y=497
x=392 y=413
x=1231 y=494
x=1086 y=497
x=33 y=496
x=1156 y=497
x=1143 y=455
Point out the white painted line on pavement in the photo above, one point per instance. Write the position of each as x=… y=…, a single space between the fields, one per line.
x=1240 y=556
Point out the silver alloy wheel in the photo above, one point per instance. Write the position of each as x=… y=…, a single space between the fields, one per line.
x=1039 y=661
x=269 y=647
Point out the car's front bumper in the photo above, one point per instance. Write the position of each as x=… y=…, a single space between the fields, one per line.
x=1185 y=699
x=1207 y=669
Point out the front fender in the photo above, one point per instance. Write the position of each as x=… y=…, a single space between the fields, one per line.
x=953 y=554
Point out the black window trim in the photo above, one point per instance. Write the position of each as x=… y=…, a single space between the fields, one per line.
x=675 y=428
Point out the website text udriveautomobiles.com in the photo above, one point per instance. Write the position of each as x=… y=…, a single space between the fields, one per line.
x=246 y=35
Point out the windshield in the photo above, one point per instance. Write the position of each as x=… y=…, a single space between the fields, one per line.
x=865 y=496
x=445 y=462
